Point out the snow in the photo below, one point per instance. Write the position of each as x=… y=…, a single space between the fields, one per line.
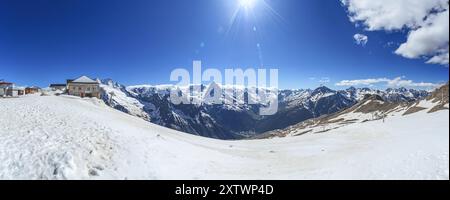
x=161 y=87
x=132 y=105
x=400 y=148
x=63 y=137
x=84 y=79
x=426 y=104
x=316 y=97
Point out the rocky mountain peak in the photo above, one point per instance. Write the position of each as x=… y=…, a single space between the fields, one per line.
x=322 y=90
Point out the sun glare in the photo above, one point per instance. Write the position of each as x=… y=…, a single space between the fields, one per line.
x=247 y=4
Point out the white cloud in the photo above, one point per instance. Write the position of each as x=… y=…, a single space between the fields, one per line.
x=324 y=80
x=400 y=82
x=426 y=20
x=429 y=40
x=394 y=83
x=439 y=59
x=391 y=15
x=361 y=39
x=360 y=82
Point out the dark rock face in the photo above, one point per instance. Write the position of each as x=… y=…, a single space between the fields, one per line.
x=373 y=97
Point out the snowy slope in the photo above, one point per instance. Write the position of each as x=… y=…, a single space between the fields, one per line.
x=117 y=96
x=62 y=137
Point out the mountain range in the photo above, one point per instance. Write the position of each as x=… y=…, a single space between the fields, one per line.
x=239 y=121
x=371 y=108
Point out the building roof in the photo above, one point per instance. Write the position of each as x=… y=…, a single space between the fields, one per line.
x=83 y=79
x=5 y=83
x=57 y=85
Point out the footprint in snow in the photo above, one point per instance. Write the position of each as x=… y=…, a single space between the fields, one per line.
x=99 y=167
x=95 y=170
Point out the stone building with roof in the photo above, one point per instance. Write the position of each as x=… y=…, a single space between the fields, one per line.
x=83 y=87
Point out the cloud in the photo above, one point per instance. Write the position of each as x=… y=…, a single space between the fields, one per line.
x=439 y=59
x=391 y=15
x=400 y=82
x=429 y=40
x=361 y=39
x=360 y=82
x=394 y=83
x=425 y=20
x=324 y=80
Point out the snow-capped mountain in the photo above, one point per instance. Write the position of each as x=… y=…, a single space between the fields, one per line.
x=390 y=94
x=235 y=121
x=372 y=107
x=68 y=137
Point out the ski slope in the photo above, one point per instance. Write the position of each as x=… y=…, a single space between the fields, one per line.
x=63 y=137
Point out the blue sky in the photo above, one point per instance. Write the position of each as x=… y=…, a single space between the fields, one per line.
x=140 y=42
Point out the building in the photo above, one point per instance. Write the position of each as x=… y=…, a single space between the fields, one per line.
x=32 y=90
x=10 y=90
x=4 y=87
x=15 y=91
x=83 y=87
x=55 y=87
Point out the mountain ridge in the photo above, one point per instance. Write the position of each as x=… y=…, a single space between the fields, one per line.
x=236 y=121
x=372 y=108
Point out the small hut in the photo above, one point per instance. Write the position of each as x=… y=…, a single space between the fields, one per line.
x=32 y=90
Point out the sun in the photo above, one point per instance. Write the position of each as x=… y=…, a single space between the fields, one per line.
x=247 y=4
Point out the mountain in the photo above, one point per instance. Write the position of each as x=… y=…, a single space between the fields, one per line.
x=236 y=121
x=390 y=94
x=372 y=107
x=68 y=137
